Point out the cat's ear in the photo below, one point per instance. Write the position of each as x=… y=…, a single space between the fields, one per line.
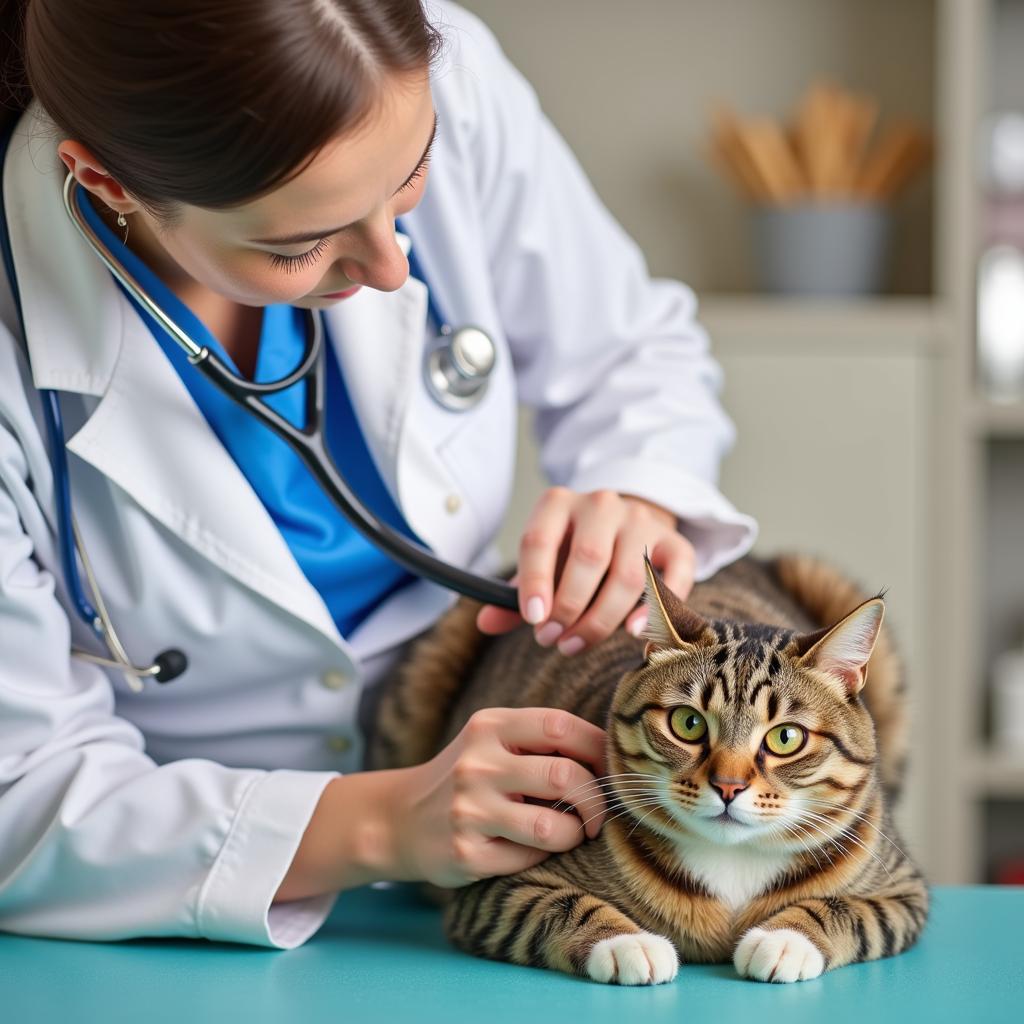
x=843 y=651
x=670 y=624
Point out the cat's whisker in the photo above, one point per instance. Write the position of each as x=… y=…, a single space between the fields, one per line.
x=847 y=834
x=622 y=788
x=640 y=821
x=606 y=780
x=787 y=828
x=806 y=844
x=859 y=814
x=812 y=830
x=624 y=812
x=867 y=821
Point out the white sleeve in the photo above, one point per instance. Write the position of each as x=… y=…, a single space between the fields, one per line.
x=614 y=362
x=96 y=840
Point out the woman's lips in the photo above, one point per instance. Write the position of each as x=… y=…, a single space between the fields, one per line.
x=341 y=295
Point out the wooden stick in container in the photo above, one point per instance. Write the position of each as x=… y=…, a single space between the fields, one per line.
x=730 y=154
x=769 y=151
x=809 y=125
x=902 y=150
x=915 y=156
x=862 y=116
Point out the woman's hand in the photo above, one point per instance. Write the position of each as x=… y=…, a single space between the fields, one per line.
x=594 y=544
x=462 y=817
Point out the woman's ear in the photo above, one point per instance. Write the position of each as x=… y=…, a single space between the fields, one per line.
x=671 y=626
x=90 y=173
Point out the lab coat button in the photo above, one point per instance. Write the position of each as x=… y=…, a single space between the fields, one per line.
x=334 y=679
x=339 y=744
x=452 y=503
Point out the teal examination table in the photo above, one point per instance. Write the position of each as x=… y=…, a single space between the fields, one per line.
x=382 y=957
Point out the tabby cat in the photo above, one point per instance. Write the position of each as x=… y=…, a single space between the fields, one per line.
x=748 y=790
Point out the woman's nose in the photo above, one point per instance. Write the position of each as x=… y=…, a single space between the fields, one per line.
x=377 y=261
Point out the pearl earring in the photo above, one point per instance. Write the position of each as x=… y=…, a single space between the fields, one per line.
x=122 y=222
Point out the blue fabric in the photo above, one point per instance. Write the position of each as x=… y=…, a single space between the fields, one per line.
x=350 y=574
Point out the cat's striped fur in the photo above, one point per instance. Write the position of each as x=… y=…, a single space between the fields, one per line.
x=753 y=647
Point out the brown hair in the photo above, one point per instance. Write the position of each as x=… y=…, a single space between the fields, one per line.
x=208 y=102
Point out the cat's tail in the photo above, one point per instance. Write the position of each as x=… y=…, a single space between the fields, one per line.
x=416 y=702
x=828 y=595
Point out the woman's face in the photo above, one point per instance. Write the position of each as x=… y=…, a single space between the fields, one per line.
x=326 y=231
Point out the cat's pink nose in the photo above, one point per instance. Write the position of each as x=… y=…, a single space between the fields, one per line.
x=729 y=789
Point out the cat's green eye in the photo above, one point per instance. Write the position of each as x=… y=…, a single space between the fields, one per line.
x=785 y=739
x=688 y=724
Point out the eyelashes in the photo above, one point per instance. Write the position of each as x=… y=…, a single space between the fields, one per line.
x=306 y=259
x=300 y=262
x=416 y=175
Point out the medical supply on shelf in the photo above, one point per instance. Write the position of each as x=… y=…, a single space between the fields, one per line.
x=821 y=185
x=1000 y=303
x=1008 y=700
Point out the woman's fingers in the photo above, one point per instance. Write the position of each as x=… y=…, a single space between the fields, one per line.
x=539 y=549
x=622 y=588
x=595 y=526
x=674 y=557
x=504 y=857
x=534 y=825
x=494 y=620
x=581 y=567
x=557 y=779
x=548 y=731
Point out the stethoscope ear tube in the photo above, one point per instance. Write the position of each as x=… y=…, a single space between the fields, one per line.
x=308 y=443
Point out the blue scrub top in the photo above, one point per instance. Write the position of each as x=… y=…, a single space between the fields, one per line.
x=349 y=573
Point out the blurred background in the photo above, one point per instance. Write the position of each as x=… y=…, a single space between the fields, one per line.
x=878 y=389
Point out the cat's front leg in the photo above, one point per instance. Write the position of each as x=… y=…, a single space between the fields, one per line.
x=537 y=919
x=816 y=935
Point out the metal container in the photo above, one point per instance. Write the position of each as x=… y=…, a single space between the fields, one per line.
x=821 y=249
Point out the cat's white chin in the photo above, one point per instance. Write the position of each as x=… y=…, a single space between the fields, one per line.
x=719 y=830
x=729 y=831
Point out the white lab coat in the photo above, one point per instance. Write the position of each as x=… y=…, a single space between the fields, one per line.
x=178 y=811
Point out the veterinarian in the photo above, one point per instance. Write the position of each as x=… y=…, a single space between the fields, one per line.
x=190 y=630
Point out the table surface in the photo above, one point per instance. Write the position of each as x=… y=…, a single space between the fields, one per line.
x=382 y=957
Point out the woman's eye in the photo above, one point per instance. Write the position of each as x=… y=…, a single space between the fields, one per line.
x=784 y=740
x=688 y=724
x=300 y=262
x=416 y=175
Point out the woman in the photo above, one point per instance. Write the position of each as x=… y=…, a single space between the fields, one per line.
x=247 y=159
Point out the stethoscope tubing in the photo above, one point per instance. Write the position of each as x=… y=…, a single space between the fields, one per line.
x=307 y=442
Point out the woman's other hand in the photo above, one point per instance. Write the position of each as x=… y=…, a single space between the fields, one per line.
x=581 y=568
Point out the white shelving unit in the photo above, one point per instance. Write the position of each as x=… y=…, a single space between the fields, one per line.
x=861 y=433
x=978 y=493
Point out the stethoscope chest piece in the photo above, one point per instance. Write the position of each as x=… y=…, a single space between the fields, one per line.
x=459 y=365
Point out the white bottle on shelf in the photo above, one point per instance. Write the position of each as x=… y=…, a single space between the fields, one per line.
x=1000 y=285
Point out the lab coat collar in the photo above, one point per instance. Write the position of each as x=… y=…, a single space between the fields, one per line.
x=91 y=341
x=74 y=343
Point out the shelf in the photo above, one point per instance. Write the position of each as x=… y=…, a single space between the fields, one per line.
x=751 y=323
x=993 y=772
x=644 y=143
x=997 y=419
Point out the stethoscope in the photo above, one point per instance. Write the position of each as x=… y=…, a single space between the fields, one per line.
x=456 y=369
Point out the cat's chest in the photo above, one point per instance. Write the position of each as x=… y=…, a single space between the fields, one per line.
x=732 y=874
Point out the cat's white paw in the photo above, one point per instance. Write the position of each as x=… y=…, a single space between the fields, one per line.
x=638 y=959
x=778 y=955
